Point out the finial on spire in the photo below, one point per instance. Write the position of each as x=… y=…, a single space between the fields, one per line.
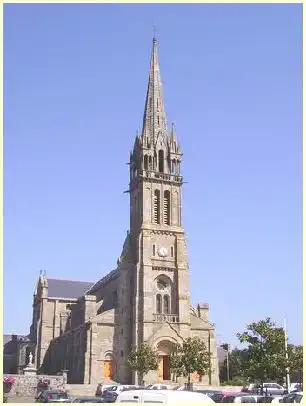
x=154 y=118
x=154 y=32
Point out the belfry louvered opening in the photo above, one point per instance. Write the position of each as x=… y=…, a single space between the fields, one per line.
x=156 y=207
x=167 y=207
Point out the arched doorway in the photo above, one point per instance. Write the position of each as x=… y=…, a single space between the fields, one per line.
x=164 y=349
x=108 y=368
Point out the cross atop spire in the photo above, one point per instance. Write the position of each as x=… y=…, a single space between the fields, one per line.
x=154 y=118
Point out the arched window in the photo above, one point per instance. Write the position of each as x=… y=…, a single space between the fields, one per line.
x=150 y=162
x=145 y=162
x=156 y=207
x=172 y=252
x=166 y=304
x=158 y=303
x=167 y=207
x=154 y=161
x=153 y=251
x=160 y=160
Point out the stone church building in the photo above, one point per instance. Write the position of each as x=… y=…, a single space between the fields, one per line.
x=89 y=328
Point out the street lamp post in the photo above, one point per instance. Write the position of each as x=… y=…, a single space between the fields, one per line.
x=286 y=355
x=227 y=364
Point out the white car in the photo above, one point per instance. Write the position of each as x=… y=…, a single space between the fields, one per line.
x=159 y=386
x=273 y=388
x=162 y=396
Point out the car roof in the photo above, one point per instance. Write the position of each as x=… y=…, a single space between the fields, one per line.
x=168 y=392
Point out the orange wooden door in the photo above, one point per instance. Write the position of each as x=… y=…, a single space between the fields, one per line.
x=108 y=369
x=160 y=370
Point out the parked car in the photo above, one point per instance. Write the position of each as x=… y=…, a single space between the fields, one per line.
x=269 y=388
x=159 y=386
x=162 y=396
x=251 y=388
x=88 y=399
x=294 y=397
x=246 y=398
x=214 y=394
x=52 y=396
x=110 y=394
x=101 y=387
x=273 y=388
x=228 y=397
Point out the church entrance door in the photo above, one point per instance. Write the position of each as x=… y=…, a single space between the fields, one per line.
x=164 y=349
x=108 y=369
x=166 y=369
x=160 y=369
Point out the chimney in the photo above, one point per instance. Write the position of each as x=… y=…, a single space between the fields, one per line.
x=203 y=309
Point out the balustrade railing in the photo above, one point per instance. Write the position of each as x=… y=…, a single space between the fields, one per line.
x=159 y=175
x=171 y=318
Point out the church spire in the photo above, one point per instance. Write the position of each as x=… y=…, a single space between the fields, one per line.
x=154 y=118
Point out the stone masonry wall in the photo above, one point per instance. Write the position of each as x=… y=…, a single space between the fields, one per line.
x=26 y=385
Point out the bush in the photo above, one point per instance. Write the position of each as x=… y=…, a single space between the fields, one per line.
x=9 y=380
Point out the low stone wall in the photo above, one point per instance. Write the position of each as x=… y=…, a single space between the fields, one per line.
x=26 y=385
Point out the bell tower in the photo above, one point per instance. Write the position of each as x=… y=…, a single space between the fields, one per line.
x=161 y=279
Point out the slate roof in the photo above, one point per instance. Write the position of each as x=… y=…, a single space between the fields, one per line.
x=67 y=289
x=107 y=278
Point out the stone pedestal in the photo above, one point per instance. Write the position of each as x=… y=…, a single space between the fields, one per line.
x=30 y=370
x=64 y=373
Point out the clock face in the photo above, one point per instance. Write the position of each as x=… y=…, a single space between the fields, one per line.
x=162 y=252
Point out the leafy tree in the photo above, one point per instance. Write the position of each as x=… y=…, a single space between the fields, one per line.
x=295 y=355
x=236 y=366
x=192 y=356
x=176 y=365
x=265 y=358
x=142 y=359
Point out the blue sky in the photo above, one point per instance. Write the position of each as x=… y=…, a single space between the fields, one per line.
x=75 y=79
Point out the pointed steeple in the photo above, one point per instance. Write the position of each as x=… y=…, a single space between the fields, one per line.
x=154 y=118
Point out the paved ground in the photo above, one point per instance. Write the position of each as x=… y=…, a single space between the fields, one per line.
x=21 y=399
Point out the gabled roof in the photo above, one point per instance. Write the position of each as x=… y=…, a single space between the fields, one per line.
x=67 y=289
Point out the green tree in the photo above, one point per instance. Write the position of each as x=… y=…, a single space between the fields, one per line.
x=295 y=362
x=142 y=360
x=237 y=358
x=192 y=356
x=176 y=365
x=265 y=358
